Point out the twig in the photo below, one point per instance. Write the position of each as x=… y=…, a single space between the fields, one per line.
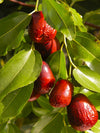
x=22 y=3
x=92 y=25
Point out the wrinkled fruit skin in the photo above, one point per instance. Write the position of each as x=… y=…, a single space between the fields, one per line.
x=49 y=48
x=45 y=81
x=39 y=30
x=61 y=94
x=82 y=114
x=34 y=96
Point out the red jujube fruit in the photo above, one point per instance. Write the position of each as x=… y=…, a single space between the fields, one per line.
x=82 y=114
x=34 y=96
x=45 y=81
x=39 y=30
x=49 y=48
x=61 y=94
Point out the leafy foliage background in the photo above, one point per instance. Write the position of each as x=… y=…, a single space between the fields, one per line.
x=20 y=65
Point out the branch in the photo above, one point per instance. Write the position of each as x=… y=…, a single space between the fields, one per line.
x=92 y=25
x=22 y=3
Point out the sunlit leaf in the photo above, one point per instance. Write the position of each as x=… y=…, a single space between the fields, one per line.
x=85 y=48
x=87 y=78
x=22 y=69
x=96 y=127
x=1 y=1
x=59 y=16
x=77 y=18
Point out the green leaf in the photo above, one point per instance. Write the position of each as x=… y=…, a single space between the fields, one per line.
x=22 y=69
x=85 y=48
x=39 y=111
x=11 y=28
x=3 y=128
x=49 y=123
x=14 y=102
x=88 y=131
x=95 y=99
x=93 y=17
x=96 y=127
x=69 y=129
x=13 y=129
x=87 y=78
x=77 y=18
x=1 y=1
x=59 y=16
x=17 y=40
x=26 y=110
x=44 y=103
x=37 y=67
x=58 y=66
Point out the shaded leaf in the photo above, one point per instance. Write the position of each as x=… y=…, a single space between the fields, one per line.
x=93 y=17
x=74 y=1
x=39 y=111
x=59 y=16
x=11 y=30
x=14 y=102
x=13 y=129
x=26 y=110
x=58 y=66
x=87 y=78
x=69 y=129
x=3 y=128
x=44 y=103
x=22 y=69
x=49 y=123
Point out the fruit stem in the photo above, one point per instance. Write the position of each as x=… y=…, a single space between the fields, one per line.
x=37 y=3
x=72 y=3
x=69 y=54
x=62 y=46
x=70 y=71
x=33 y=48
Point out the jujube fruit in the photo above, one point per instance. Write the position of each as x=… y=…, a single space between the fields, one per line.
x=46 y=79
x=53 y=46
x=61 y=94
x=34 y=96
x=82 y=114
x=39 y=30
x=36 y=26
x=48 y=34
x=49 y=48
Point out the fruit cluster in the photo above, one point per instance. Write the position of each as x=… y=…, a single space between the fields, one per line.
x=82 y=114
x=43 y=35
